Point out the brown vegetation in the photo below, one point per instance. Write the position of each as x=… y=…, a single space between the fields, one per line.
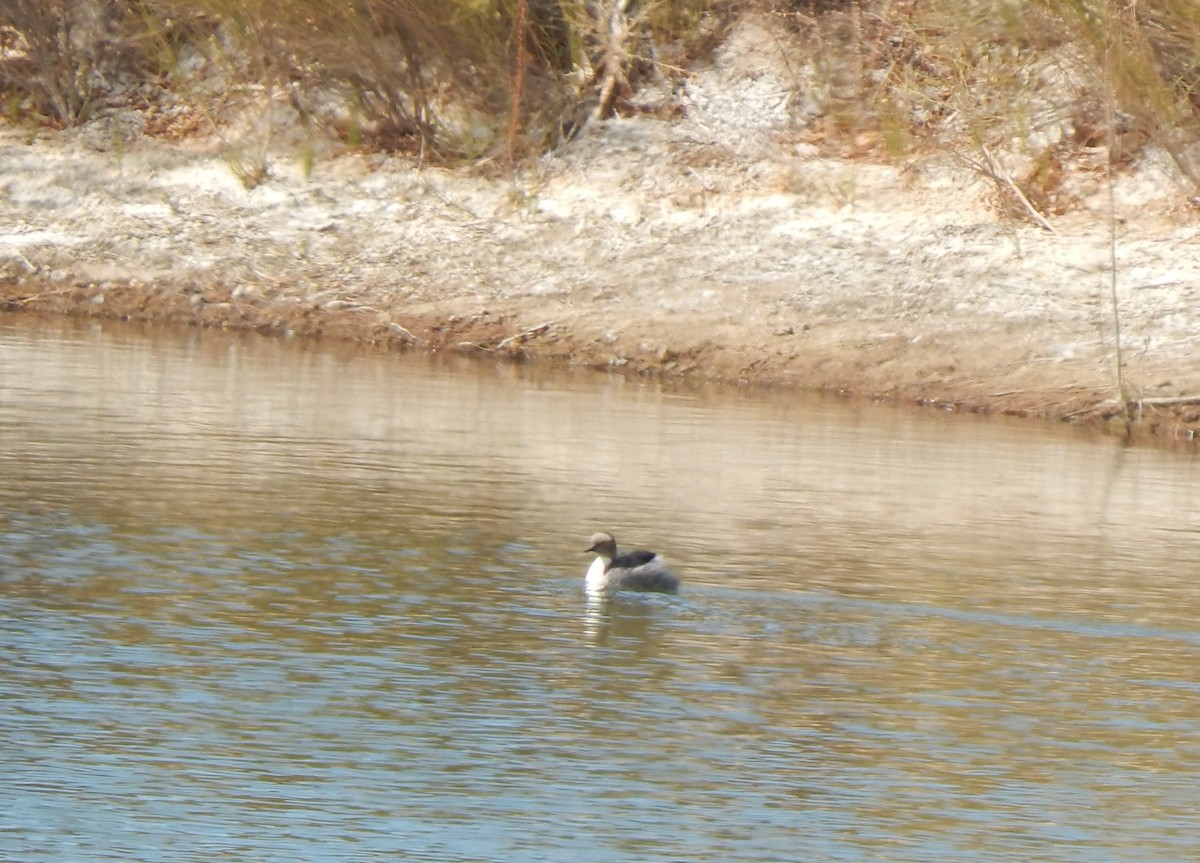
x=1043 y=101
x=1044 y=80
x=435 y=76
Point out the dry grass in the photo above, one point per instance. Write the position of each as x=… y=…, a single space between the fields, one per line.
x=445 y=77
x=1045 y=85
x=1039 y=83
x=59 y=59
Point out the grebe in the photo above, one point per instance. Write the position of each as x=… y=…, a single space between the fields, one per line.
x=634 y=570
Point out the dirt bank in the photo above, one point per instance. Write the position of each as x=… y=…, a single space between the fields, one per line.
x=717 y=246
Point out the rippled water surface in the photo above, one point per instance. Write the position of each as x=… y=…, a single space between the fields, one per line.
x=261 y=601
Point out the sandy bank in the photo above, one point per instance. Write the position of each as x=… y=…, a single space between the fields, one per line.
x=714 y=246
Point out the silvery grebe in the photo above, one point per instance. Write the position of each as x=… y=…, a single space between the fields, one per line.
x=634 y=570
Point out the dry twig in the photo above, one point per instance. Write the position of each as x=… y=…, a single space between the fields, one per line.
x=1001 y=176
x=524 y=335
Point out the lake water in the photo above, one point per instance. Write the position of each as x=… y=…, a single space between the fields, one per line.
x=269 y=601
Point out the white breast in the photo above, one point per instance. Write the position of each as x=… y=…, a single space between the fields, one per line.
x=595 y=579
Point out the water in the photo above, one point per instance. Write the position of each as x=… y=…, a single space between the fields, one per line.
x=264 y=601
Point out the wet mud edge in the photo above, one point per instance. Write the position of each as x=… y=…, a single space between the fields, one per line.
x=511 y=333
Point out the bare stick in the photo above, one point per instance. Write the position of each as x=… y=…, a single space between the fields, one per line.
x=1002 y=176
x=514 y=117
x=525 y=334
x=403 y=332
x=1167 y=401
x=1110 y=111
x=612 y=59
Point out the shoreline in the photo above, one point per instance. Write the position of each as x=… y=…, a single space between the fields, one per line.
x=642 y=249
x=502 y=335
x=723 y=243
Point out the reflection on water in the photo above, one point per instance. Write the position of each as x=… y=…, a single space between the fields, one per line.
x=264 y=602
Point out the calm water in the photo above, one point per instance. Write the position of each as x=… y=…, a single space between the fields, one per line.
x=264 y=602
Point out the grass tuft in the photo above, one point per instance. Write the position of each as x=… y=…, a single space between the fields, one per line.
x=1030 y=80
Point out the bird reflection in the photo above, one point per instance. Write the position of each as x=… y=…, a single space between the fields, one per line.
x=620 y=618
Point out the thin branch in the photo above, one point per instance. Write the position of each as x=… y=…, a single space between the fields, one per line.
x=1167 y=401
x=1110 y=112
x=517 y=337
x=514 y=117
x=403 y=332
x=525 y=335
x=1001 y=176
x=613 y=54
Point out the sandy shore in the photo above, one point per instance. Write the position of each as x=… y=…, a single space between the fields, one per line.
x=715 y=246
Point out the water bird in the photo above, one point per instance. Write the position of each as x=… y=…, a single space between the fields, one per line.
x=634 y=570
